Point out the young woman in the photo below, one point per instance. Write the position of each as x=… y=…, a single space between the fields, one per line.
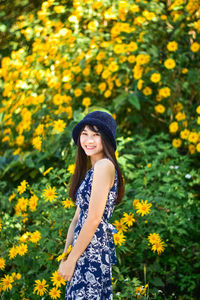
x=96 y=186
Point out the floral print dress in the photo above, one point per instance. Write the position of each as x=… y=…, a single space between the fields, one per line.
x=92 y=278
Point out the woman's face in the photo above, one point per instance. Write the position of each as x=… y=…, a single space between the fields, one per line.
x=91 y=142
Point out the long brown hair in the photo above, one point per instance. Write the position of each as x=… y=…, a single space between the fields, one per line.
x=83 y=164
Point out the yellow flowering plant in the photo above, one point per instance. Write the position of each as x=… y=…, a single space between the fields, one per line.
x=57 y=64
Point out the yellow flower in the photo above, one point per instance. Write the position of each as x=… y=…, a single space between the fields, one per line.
x=192 y=148
x=2 y=263
x=139 y=84
x=67 y=203
x=47 y=171
x=22 y=249
x=0 y=225
x=120 y=226
x=193 y=137
x=24 y=237
x=163 y=17
x=92 y=25
x=147 y=91
x=131 y=58
x=170 y=63
x=22 y=203
x=142 y=59
x=77 y=92
x=159 y=108
x=173 y=127
x=116 y=154
x=107 y=94
x=37 y=142
x=158 y=246
x=198 y=120
x=50 y=193
x=119 y=238
x=195 y=47
x=113 y=66
x=11 y=197
x=67 y=86
x=184 y=134
x=172 y=46
x=102 y=86
x=198 y=109
x=59 y=9
x=180 y=116
x=177 y=107
x=97 y=5
x=164 y=92
x=71 y=168
x=128 y=219
x=33 y=202
x=198 y=147
x=59 y=125
x=135 y=202
x=22 y=187
x=64 y=254
x=143 y=208
x=176 y=143
x=35 y=236
x=40 y=287
x=57 y=280
x=87 y=87
x=119 y=48
x=185 y=70
x=86 y=101
x=58 y=99
x=105 y=74
x=158 y=97
x=101 y=55
x=141 y=291
x=154 y=238
x=13 y=252
x=155 y=77
x=16 y=276
x=137 y=72
x=54 y=293
x=132 y=46
x=20 y=140
x=39 y=130
x=86 y=71
x=99 y=68
x=6 y=283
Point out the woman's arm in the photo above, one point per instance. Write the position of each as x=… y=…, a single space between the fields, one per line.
x=102 y=179
x=70 y=233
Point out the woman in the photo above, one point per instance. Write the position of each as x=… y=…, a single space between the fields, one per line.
x=88 y=267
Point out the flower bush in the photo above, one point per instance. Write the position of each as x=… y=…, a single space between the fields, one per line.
x=140 y=61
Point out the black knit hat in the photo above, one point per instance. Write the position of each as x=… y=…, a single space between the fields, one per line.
x=102 y=120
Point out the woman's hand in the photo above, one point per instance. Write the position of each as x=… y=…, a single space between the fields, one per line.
x=66 y=269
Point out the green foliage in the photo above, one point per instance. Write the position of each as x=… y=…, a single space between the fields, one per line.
x=155 y=172
x=62 y=59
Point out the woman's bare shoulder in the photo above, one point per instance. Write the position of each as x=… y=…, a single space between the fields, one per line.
x=105 y=162
x=105 y=166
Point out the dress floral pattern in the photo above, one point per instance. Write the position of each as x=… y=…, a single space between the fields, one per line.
x=92 y=278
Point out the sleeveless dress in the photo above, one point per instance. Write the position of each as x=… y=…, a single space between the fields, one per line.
x=92 y=278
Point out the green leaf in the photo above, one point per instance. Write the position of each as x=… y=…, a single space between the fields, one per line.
x=133 y=99
x=120 y=100
x=2 y=28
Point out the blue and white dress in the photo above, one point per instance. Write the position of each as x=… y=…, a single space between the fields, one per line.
x=92 y=278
